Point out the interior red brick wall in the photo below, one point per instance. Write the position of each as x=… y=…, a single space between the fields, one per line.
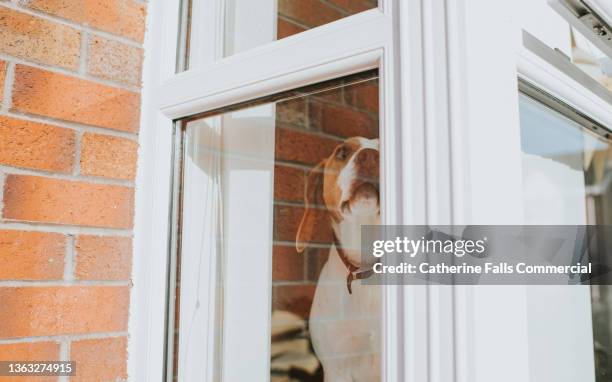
x=70 y=75
x=296 y=16
x=307 y=131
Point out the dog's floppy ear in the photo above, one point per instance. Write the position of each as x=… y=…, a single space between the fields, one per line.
x=315 y=212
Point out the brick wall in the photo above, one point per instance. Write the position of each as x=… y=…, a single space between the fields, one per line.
x=296 y=16
x=70 y=88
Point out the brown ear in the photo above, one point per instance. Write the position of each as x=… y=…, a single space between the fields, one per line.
x=314 y=208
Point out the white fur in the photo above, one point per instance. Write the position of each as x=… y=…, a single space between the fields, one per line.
x=347 y=175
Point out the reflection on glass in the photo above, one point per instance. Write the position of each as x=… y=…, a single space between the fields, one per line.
x=591 y=60
x=251 y=23
x=567 y=179
x=273 y=197
x=184 y=36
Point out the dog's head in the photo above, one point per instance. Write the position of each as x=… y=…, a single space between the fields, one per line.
x=343 y=187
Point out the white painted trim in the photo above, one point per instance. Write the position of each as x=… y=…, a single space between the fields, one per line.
x=412 y=360
x=550 y=79
x=603 y=9
x=151 y=221
x=404 y=327
x=393 y=37
x=489 y=321
x=317 y=54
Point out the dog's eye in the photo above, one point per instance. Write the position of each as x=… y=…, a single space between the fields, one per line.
x=341 y=153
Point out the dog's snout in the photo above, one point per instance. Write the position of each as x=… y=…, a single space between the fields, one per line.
x=367 y=157
x=367 y=163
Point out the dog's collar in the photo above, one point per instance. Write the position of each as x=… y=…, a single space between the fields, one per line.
x=354 y=273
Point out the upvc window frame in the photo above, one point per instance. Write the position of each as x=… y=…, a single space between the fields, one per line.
x=490 y=172
x=364 y=41
x=438 y=143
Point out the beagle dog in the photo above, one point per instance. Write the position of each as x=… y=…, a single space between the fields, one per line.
x=342 y=194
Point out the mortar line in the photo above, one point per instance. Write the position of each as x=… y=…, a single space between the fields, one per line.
x=68 y=177
x=342 y=11
x=62 y=283
x=84 y=50
x=69 y=259
x=64 y=229
x=286 y=243
x=64 y=337
x=9 y=80
x=64 y=356
x=2 y=183
x=78 y=140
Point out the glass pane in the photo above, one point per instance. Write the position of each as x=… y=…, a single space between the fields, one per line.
x=273 y=197
x=567 y=170
x=250 y=23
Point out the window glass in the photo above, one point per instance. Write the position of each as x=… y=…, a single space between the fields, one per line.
x=567 y=173
x=250 y=23
x=273 y=197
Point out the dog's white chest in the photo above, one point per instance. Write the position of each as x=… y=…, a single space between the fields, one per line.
x=345 y=328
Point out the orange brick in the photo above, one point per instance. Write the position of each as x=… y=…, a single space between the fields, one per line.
x=103 y=258
x=121 y=17
x=36 y=145
x=311 y=13
x=287 y=28
x=334 y=95
x=293 y=111
x=39 y=199
x=302 y=147
x=31 y=255
x=355 y=6
x=363 y=95
x=68 y=98
x=342 y=121
x=39 y=40
x=287 y=264
x=114 y=61
x=2 y=77
x=315 y=260
x=112 y=157
x=287 y=220
x=100 y=359
x=42 y=311
x=38 y=351
x=293 y=298
x=289 y=183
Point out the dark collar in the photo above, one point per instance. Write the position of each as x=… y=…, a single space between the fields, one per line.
x=353 y=271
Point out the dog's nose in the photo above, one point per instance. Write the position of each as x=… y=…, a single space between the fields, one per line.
x=367 y=162
x=367 y=157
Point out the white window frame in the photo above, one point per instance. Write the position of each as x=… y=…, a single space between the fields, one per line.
x=323 y=53
x=438 y=144
x=492 y=323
